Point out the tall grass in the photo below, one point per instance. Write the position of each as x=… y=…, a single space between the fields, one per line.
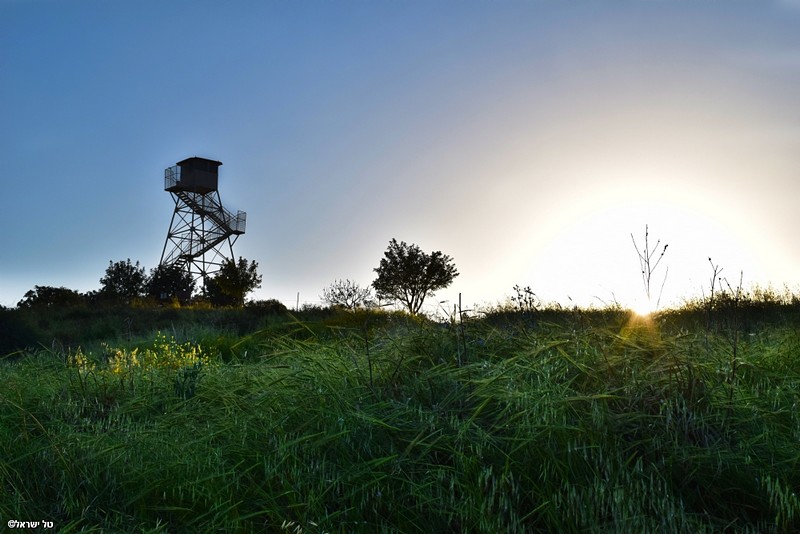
x=368 y=424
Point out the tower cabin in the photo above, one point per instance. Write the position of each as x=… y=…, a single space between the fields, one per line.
x=195 y=175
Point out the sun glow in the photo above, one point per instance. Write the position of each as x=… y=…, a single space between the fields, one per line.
x=643 y=308
x=585 y=247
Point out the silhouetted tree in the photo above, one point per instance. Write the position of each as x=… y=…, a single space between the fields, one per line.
x=408 y=275
x=170 y=281
x=123 y=281
x=232 y=282
x=47 y=297
x=347 y=294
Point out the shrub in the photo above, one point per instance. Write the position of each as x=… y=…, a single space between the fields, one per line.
x=15 y=335
x=269 y=306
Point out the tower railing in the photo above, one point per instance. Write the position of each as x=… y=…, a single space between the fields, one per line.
x=209 y=207
x=172 y=175
x=237 y=223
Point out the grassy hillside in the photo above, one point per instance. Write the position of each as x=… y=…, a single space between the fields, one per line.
x=568 y=422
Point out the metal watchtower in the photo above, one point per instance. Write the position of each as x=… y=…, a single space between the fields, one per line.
x=202 y=233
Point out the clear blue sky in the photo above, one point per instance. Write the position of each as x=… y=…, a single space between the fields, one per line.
x=526 y=139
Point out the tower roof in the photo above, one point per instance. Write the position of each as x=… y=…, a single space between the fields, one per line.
x=195 y=159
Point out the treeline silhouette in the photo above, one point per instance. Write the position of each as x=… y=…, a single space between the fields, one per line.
x=131 y=301
x=125 y=282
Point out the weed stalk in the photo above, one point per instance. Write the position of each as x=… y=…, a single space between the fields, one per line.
x=648 y=266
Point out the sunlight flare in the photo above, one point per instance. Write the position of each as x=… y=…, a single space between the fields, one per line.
x=643 y=308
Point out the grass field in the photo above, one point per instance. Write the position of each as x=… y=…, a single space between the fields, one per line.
x=554 y=421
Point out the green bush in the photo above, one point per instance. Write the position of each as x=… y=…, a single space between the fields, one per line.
x=15 y=333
